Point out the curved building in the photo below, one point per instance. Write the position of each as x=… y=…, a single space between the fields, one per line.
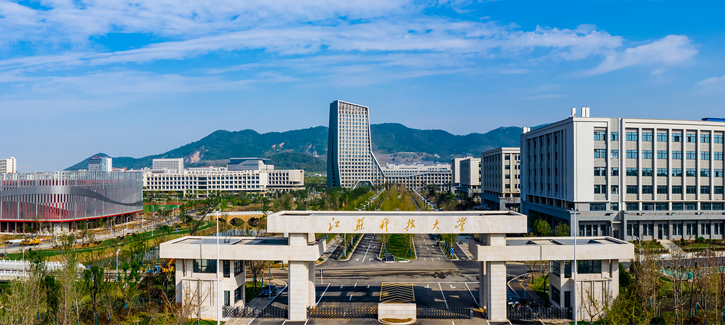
x=66 y=198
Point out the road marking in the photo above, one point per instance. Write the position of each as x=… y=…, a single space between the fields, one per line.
x=355 y=286
x=323 y=293
x=368 y=286
x=357 y=259
x=366 y=253
x=427 y=286
x=350 y=296
x=452 y=286
x=443 y=294
x=340 y=287
x=439 y=258
x=284 y=322
x=370 y=259
x=472 y=296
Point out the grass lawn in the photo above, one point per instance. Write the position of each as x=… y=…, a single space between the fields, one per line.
x=251 y=291
x=203 y=322
x=646 y=244
x=541 y=288
x=701 y=245
x=398 y=246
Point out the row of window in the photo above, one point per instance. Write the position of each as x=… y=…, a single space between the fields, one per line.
x=661 y=154
x=661 y=137
x=583 y=266
x=661 y=189
x=660 y=206
x=662 y=172
x=677 y=229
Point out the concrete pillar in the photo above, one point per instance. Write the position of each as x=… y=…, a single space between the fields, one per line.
x=298 y=290
x=312 y=300
x=495 y=291
x=481 y=292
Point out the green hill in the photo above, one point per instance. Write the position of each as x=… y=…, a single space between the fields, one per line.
x=296 y=149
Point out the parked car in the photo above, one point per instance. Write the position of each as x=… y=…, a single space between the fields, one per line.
x=269 y=290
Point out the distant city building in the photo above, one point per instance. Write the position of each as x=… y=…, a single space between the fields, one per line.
x=350 y=158
x=100 y=164
x=237 y=177
x=170 y=165
x=8 y=166
x=68 y=198
x=625 y=177
x=501 y=179
x=470 y=174
x=455 y=174
x=237 y=164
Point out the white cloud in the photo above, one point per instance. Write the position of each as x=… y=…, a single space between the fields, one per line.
x=670 y=50
x=711 y=80
x=657 y=72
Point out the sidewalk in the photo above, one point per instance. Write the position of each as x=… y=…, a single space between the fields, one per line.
x=672 y=247
x=328 y=252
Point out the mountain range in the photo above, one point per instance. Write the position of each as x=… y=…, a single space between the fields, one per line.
x=307 y=148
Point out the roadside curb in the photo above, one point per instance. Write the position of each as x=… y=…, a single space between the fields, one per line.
x=352 y=251
x=325 y=255
x=464 y=251
x=446 y=255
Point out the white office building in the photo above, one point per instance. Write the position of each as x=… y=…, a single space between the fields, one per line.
x=170 y=165
x=100 y=164
x=350 y=158
x=628 y=178
x=8 y=166
x=200 y=180
x=470 y=176
x=501 y=179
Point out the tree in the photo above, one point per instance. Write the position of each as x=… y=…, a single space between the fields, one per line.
x=541 y=228
x=257 y=268
x=94 y=283
x=562 y=230
x=384 y=239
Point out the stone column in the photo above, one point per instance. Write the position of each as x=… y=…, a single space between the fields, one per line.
x=312 y=300
x=493 y=281
x=298 y=290
x=481 y=291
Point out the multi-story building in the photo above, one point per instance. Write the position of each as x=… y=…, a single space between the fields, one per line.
x=455 y=174
x=629 y=178
x=100 y=164
x=170 y=165
x=65 y=199
x=501 y=179
x=249 y=164
x=350 y=158
x=470 y=176
x=8 y=166
x=205 y=179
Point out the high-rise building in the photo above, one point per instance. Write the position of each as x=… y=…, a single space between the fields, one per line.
x=501 y=179
x=100 y=164
x=470 y=174
x=350 y=158
x=170 y=165
x=624 y=177
x=8 y=166
x=455 y=174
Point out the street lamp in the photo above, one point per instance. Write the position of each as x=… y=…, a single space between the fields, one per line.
x=218 y=286
x=117 y=263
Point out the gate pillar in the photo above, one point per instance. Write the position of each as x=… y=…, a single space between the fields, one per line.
x=492 y=281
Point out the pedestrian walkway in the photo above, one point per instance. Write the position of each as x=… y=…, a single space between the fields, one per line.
x=671 y=247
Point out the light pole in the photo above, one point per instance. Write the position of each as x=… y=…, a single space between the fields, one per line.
x=574 y=267
x=117 y=263
x=218 y=286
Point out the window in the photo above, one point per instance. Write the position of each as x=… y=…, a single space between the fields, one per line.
x=615 y=171
x=648 y=206
x=662 y=172
x=615 y=189
x=704 y=189
x=718 y=155
x=204 y=266
x=615 y=206
x=554 y=268
x=646 y=154
x=691 y=137
x=615 y=154
x=717 y=138
x=662 y=137
x=678 y=207
x=631 y=136
x=555 y=294
x=615 y=136
x=661 y=189
x=661 y=206
x=589 y=267
x=717 y=206
x=676 y=137
x=227 y=298
x=226 y=268
x=631 y=171
x=646 y=189
x=691 y=189
x=631 y=154
x=632 y=207
x=567 y=299
x=692 y=155
x=677 y=155
x=600 y=171
x=705 y=137
x=690 y=172
x=600 y=153
x=718 y=190
x=631 y=189
x=676 y=172
x=718 y=173
x=238 y=267
x=705 y=155
x=597 y=207
x=661 y=154
x=646 y=171
x=705 y=172
x=646 y=136
x=600 y=136
x=567 y=265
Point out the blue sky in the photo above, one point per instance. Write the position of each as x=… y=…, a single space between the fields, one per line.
x=133 y=78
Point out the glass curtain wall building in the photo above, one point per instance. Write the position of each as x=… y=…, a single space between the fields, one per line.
x=350 y=158
x=67 y=197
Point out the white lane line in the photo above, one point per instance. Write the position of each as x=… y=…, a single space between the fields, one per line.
x=350 y=296
x=443 y=294
x=355 y=286
x=284 y=322
x=323 y=293
x=471 y=292
x=366 y=254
